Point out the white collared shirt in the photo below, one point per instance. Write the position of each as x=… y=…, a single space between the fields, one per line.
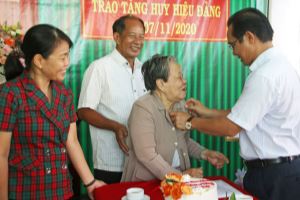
x=110 y=87
x=269 y=109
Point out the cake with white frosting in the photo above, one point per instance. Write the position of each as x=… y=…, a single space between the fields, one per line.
x=184 y=187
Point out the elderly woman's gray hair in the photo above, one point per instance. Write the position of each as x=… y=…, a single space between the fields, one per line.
x=155 y=68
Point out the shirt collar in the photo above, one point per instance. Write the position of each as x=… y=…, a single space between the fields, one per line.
x=29 y=83
x=262 y=58
x=179 y=106
x=123 y=61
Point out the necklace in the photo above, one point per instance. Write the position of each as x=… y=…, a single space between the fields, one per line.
x=48 y=93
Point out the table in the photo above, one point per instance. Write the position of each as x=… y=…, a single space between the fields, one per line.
x=152 y=188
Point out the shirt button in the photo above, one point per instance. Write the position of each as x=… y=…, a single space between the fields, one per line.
x=173 y=128
x=175 y=143
x=48 y=170
x=47 y=152
x=63 y=150
x=64 y=166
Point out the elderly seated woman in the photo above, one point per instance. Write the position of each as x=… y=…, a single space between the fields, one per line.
x=156 y=146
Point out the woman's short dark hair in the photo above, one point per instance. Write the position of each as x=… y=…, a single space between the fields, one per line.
x=251 y=19
x=40 y=39
x=155 y=68
x=119 y=24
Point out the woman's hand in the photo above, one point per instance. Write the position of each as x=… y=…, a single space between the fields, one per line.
x=217 y=159
x=194 y=172
x=92 y=187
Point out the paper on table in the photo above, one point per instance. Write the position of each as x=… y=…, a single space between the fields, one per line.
x=224 y=188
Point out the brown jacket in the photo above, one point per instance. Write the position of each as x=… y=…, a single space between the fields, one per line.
x=153 y=140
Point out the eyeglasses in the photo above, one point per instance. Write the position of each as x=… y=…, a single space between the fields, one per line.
x=232 y=44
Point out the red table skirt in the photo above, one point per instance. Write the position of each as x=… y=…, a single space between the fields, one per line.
x=117 y=190
x=152 y=188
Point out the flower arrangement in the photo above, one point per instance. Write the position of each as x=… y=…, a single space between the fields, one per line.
x=10 y=39
x=173 y=186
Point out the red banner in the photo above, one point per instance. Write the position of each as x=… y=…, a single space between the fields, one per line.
x=171 y=20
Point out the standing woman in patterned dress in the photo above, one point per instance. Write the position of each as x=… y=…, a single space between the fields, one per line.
x=37 y=121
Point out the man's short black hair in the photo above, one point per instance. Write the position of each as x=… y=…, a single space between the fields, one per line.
x=119 y=24
x=251 y=19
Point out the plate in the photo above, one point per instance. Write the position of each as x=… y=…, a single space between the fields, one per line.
x=146 y=197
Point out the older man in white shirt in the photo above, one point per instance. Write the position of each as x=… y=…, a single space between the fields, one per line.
x=110 y=86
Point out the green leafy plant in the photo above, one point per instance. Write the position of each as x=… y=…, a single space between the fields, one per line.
x=232 y=196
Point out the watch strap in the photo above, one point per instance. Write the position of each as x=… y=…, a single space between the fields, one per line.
x=190 y=119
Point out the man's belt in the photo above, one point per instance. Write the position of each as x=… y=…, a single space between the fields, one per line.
x=257 y=163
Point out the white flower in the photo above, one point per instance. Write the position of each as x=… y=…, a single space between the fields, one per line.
x=240 y=176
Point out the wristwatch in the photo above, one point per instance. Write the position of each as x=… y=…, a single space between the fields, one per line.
x=188 y=123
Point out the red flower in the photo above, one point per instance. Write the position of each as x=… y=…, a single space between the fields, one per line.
x=167 y=190
x=176 y=191
x=9 y=41
x=173 y=186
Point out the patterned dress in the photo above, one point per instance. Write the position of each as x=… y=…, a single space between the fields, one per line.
x=38 y=161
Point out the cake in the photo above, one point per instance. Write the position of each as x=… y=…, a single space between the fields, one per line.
x=184 y=187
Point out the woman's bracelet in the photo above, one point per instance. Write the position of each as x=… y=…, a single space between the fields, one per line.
x=90 y=183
